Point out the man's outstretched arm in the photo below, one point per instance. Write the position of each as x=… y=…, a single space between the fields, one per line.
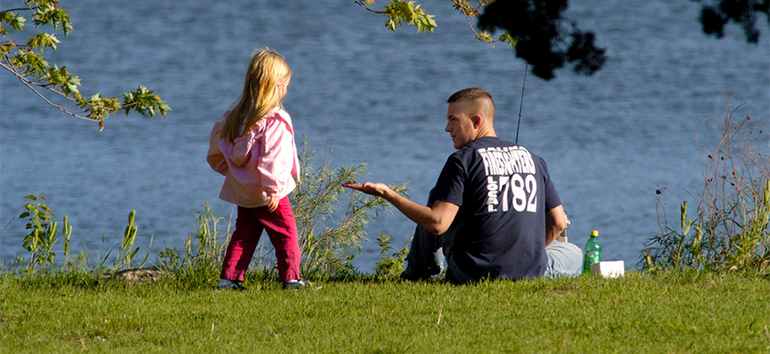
x=435 y=219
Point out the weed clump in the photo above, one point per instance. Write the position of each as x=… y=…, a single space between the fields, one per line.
x=729 y=231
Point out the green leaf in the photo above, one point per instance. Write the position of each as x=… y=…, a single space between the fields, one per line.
x=70 y=86
x=16 y=21
x=31 y=63
x=42 y=41
x=508 y=38
x=398 y=11
x=47 y=13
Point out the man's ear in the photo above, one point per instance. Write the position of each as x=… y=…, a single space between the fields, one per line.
x=477 y=121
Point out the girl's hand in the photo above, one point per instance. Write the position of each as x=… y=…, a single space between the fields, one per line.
x=272 y=204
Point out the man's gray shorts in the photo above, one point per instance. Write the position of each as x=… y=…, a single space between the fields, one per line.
x=564 y=259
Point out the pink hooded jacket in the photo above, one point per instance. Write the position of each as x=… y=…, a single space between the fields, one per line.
x=257 y=165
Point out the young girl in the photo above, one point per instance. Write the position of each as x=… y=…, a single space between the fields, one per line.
x=253 y=147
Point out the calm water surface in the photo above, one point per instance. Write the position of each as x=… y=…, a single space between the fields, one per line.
x=610 y=140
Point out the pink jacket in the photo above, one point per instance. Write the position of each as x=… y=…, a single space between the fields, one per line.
x=259 y=164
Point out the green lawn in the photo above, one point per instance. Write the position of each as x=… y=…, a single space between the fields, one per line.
x=637 y=314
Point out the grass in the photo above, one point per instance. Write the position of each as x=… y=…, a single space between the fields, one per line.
x=673 y=312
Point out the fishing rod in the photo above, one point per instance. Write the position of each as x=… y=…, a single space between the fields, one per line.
x=521 y=103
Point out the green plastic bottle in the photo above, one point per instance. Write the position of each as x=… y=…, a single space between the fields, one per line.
x=593 y=252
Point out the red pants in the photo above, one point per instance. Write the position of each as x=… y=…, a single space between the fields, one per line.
x=282 y=230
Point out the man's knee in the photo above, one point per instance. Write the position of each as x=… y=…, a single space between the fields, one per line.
x=564 y=259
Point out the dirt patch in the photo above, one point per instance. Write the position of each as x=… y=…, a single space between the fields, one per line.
x=139 y=276
x=565 y=289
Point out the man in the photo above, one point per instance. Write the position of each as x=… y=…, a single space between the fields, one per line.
x=493 y=210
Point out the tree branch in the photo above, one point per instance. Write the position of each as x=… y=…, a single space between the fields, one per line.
x=9 y=67
x=30 y=8
x=30 y=84
x=362 y=4
x=61 y=108
x=468 y=19
x=21 y=9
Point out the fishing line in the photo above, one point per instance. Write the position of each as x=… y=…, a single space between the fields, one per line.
x=521 y=103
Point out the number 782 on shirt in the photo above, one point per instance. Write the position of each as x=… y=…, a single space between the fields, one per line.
x=514 y=191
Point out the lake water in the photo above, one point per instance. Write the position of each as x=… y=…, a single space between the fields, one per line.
x=610 y=140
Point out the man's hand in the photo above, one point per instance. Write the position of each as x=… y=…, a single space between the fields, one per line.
x=272 y=204
x=435 y=219
x=375 y=189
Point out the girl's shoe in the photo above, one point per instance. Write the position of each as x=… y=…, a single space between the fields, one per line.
x=298 y=284
x=225 y=284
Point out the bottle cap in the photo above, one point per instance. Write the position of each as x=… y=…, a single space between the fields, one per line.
x=594 y=233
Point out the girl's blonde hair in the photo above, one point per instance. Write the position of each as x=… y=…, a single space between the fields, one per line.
x=267 y=74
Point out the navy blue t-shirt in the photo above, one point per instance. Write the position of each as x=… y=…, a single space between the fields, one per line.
x=503 y=192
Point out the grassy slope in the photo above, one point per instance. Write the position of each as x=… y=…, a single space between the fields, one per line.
x=637 y=314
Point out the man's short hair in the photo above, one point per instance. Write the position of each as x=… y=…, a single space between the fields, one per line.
x=470 y=94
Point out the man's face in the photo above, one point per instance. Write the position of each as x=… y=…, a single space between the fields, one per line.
x=459 y=124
